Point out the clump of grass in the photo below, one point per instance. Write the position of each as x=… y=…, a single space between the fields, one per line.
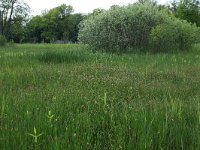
x=68 y=56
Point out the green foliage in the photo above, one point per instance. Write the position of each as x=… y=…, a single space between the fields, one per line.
x=188 y=35
x=13 y=18
x=2 y=40
x=126 y=27
x=163 y=38
x=34 y=29
x=176 y=35
x=57 y=24
x=95 y=12
x=17 y=30
x=189 y=10
x=122 y=27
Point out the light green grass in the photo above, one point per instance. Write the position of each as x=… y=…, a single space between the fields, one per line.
x=66 y=97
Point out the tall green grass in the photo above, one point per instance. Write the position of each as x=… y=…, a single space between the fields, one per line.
x=66 y=97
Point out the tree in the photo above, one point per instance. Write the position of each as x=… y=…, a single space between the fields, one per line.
x=17 y=32
x=57 y=24
x=34 y=29
x=11 y=12
x=147 y=1
x=73 y=27
x=173 y=6
x=95 y=12
x=189 y=10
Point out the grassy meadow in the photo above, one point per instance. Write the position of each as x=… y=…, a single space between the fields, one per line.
x=55 y=97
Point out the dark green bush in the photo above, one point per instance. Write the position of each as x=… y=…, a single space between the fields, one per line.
x=2 y=40
x=188 y=35
x=163 y=38
x=176 y=35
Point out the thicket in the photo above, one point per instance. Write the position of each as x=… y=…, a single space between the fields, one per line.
x=175 y=35
x=58 y=25
x=137 y=26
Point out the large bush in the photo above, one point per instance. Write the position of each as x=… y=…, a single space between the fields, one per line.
x=130 y=26
x=175 y=35
x=2 y=40
x=121 y=27
x=188 y=35
x=163 y=38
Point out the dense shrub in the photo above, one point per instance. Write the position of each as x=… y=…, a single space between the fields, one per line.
x=136 y=26
x=187 y=35
x=122 y=27
x=175 y=35
x=2 y=40
x=163 y=38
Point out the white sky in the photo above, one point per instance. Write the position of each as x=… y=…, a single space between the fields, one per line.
x=82 y=6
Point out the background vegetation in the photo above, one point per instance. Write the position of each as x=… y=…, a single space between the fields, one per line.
x=58 y=24
x=140 y=25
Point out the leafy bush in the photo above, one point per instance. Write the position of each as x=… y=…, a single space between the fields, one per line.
x=137 y=26
x=188 y=35
x=163 y=38
x=176 y=35
x=2 y=40
x=122 y=27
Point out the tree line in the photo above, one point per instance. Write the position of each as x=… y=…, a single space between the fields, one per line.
x=61 y=25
